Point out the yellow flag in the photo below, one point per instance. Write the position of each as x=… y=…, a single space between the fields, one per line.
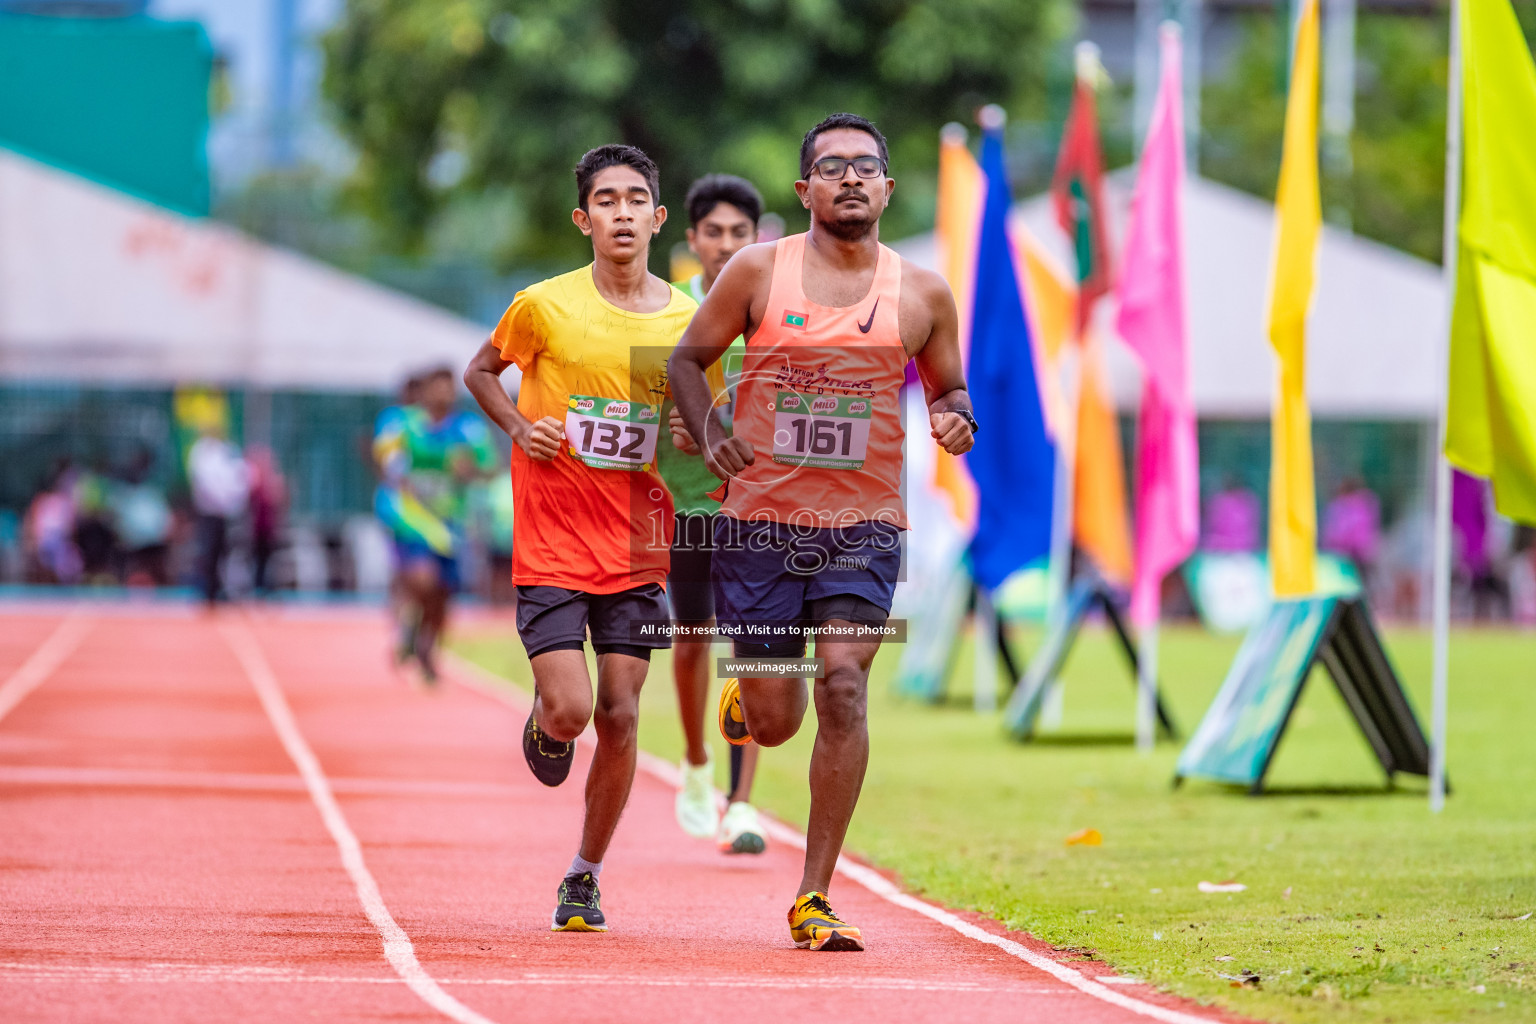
x=1298 y=222
x=1491 y=418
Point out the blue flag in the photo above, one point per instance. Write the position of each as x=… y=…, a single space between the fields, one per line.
x=1014 y=461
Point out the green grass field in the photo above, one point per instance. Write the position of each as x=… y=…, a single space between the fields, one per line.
x=1360 y=906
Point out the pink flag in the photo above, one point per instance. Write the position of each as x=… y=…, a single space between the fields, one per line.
x=1152 y=322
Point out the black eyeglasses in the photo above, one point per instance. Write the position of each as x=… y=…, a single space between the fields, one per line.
x=832 y=168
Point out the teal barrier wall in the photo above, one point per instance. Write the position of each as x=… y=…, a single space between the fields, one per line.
x=123 y=101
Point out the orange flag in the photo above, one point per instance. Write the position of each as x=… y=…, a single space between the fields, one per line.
x=1099 y=520
x=1100 y=525
x=956 y=224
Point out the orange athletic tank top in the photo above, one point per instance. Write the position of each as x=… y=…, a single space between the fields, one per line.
x=820 y=402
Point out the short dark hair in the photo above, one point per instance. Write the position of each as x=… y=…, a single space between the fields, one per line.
x=713 y=189
x=614 y=155
x=836 y=121
x=435 y=373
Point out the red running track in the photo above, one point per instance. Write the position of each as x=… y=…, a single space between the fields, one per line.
x=248 y=817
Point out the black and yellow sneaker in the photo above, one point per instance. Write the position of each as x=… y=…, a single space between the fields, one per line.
x=814 y=926
x=578 y=909
x=549 y=760
x=733 y=722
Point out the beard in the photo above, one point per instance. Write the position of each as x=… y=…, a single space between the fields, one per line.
x=849 y=230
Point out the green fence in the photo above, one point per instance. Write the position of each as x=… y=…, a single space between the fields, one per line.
x=321 y=440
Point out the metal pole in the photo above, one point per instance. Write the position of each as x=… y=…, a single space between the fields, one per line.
x=1442 y=582
x=284 y=28
x=1192 y=24
x=1339 y=104
x=1149 y=14
x=1069 y=373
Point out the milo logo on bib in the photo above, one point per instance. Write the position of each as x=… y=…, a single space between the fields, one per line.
x=610 y=433
x=827 y=432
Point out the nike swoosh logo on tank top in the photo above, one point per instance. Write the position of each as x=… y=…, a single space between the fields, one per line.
x=867 y=324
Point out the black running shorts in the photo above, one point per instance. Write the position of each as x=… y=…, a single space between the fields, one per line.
x=688 y=585
x=632 y=622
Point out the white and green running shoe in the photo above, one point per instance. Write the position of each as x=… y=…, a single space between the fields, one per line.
x=741 y=831
x=697 y=812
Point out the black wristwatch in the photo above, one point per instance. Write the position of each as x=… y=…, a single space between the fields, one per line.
x=970 y=420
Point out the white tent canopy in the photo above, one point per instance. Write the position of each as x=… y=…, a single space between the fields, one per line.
x=99 y=286
x=1374 y=345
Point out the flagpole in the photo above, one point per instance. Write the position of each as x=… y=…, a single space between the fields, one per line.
x=1442 y=542
x=1059 y=573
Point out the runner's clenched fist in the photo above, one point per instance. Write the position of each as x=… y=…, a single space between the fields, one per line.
x=729 y=456
x=681 y=439
x=541 y=441
x=952 y=432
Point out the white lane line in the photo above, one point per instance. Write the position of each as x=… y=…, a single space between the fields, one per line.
x=44 y=661
x=221 y=974
x=398 y=949
x=150 y=778
x=492 y=685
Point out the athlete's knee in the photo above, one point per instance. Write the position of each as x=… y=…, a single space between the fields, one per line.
x=841 y=699
x=772 y=730
x=773 y=722
x=617 y=719
x=563 y=719
x=563 y=723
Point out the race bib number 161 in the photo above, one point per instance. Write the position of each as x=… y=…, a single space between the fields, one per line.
x=825 y=431
x=610 y=433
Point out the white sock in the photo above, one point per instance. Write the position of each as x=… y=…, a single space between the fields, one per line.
x=582 y=867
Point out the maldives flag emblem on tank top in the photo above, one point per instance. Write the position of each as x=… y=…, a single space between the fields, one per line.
x=795 y=320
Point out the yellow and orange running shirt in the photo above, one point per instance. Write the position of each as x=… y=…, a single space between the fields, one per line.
x=820 y=402
x=598 y=518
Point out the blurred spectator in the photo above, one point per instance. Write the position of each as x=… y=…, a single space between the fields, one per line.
x=1522 y=575
x=143 y=520
x=221 y=490
x=1232 y=520
x=1352 y=526
x=269 y=502
x=48 y=534
x=95 y=535
x=1469 y=524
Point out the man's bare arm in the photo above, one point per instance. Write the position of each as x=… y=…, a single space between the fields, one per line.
x=939 y=365
x=540 y=440
x=724 y=315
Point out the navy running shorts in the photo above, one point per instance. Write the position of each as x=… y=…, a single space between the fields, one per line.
x=771 y=581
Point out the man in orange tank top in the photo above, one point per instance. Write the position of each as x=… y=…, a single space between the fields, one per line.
x=808 y=539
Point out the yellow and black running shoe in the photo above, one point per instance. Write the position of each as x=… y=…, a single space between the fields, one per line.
x=733 y=723
x=548 y=759
x=814 y=926
x=578 y=909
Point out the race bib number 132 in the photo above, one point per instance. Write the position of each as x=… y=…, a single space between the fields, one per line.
x=610 y=433
x=825 y=431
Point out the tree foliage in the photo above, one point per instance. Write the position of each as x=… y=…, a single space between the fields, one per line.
x=450 y=99
x=1396 y=190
